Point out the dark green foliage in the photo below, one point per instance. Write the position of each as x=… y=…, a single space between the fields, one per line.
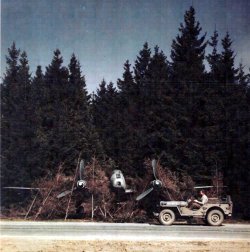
x=66 y=127
x=38 y=101
x=242 y=78
x=52 y=112
x=126 y=85
x=214 y=59
x=158 y=112
x=77 y=127
x=141 y=64
x=188 y=50
x=128 y=121
x=16 y=126
x=229 y=94
x=187 y=77
x=227 y=69
x=105 y=117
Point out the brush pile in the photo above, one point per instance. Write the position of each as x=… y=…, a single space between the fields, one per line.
x=98 y=200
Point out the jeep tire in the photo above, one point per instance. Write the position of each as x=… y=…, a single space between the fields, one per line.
x=215 y=217
x=167 y=217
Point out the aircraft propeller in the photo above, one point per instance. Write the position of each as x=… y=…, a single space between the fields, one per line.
x=155 y=184
x=81 y=183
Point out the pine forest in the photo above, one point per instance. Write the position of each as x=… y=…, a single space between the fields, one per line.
x=190 y=111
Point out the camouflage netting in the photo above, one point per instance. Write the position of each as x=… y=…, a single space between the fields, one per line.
x=98 y=200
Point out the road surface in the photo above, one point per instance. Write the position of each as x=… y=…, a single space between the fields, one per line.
x=121 y=231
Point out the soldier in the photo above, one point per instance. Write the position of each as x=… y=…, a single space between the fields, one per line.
x=196 y=204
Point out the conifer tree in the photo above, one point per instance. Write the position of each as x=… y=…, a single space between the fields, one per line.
x=227 y=69
x=188 y=50
x=127 y=93
x=50 y=132
x=140 y=68
x=98 y=108
x=9 y=99
x=78 y=127
x=37 y=88
x=235 y=122
x=156 y=76
x=214 y=58
x=25 y=113
x=17 y=129
x=141 y=64
x=127 y=84
x=158 y=119
x=242 y=78
x=188 y=76
x=105 y=116
x=128 y=120
x=39 y=101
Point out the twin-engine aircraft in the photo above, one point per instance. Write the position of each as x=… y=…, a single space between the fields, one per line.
x=117 y=182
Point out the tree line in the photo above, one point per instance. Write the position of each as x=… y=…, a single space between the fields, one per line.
x=194 y=119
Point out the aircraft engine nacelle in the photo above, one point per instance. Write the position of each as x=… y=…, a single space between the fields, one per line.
x=157 y=184
x=81 y=184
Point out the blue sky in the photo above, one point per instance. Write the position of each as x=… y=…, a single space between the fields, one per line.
x=104 y=34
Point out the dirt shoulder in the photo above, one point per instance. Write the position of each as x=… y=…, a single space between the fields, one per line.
x=29 y=245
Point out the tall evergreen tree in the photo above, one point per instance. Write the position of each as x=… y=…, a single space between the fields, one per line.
x=17 y=131
x=98 y=109
x=188 y=76
x=105 y=116
x=127 y=84
x=214 y=58
x=140 y=69
x=234 y=123
x=128 y=120
x=188 y=51
x=9 y=98
x=227 y=69
x=156 y=76
x=79 y=132
x=127 y=93
x=25 y=113
x=141 y=64
x=37 y=88
x=39 y=101
x=242 y=78
x=52 y=111
x=158 y=118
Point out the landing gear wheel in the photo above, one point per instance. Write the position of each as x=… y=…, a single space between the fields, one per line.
x=167 y=217
x=215 y=218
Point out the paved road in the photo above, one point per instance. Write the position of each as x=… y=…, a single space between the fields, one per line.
x=92 y=231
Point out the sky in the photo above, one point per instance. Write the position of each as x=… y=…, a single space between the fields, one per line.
x=103 y=34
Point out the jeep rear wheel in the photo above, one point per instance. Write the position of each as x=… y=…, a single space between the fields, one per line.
x=167 y=217
x=215 y=218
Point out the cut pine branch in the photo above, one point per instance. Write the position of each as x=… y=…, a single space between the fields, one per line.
x=73 y=185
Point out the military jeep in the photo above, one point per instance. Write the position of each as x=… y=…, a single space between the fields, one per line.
x=213 y=212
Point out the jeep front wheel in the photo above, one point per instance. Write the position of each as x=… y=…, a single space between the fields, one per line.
x=215 y=218
x=167 y=217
